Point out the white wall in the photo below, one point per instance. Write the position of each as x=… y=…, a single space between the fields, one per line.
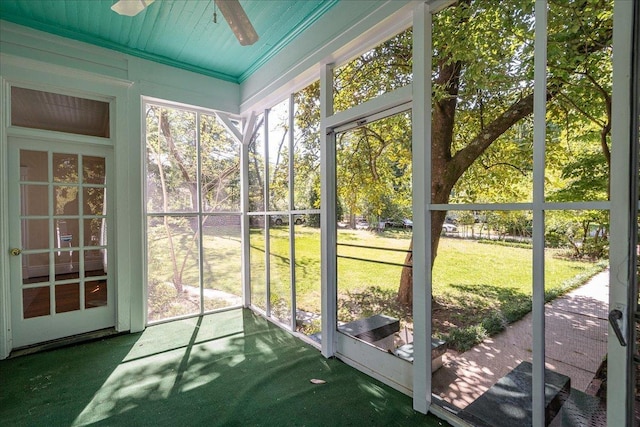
x=146 y=77
x=42 y=61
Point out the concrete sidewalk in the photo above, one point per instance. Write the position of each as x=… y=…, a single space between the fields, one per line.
x=576 y=343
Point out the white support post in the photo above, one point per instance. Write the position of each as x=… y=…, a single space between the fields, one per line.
x=130 y=158
x=421 y=176
x=248 y=131
x=539 y=136
x=267 y=221
x=292 y=235
x=200 y=217
x=620 y=390
x=328 y=226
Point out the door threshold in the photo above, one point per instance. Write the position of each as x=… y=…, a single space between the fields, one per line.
x=64 y=342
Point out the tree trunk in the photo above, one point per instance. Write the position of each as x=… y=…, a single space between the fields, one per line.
x=405 y=290
x=445 y=172
x=447 y=168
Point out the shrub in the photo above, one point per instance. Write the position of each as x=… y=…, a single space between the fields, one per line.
x=463 y=339
x=506 y=243
x=494 y=323
x=595 y=248
x=555 y=239
x=313 y=327
x=161 y=296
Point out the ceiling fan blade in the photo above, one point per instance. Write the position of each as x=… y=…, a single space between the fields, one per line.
x=238 y=21
x=130 y=7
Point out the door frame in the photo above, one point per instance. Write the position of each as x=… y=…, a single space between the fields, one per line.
x=127 y=223
x=104 y=317
x=388 y=368
x=624 y=210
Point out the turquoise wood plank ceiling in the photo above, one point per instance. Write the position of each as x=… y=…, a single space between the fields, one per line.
x=180 y=33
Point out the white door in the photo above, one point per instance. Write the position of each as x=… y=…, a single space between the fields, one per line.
x=61 y=281
x=371 y=334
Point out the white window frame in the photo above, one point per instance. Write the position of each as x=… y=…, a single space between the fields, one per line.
x=226 y=120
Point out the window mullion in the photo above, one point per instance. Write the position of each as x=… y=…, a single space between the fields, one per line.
x=267 y=246
x=328 y=227
x=292 y=247
x=421 y=183
x=539 y=136
x=199 y=212
x=244 y=209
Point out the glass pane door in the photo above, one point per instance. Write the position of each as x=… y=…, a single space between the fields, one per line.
x=60 y=278
x=374 y=238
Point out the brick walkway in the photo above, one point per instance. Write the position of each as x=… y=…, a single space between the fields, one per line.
x=576 y=342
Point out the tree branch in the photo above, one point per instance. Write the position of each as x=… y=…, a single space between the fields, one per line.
x=581 y=110
x=517 y=111
x=511 y=165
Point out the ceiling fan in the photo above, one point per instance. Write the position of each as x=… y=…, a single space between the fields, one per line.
x=231 y=10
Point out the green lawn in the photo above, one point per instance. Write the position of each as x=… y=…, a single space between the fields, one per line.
x=477 y=288
x=221 y=262
x=460 y=263
x=307 y=268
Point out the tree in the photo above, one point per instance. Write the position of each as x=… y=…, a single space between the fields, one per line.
x=173 y=176
x=482 y=83
x=306 y=150
x=278 y=149
x=256 y=168
x=374 y=167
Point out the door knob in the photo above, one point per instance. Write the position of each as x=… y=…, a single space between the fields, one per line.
x=15 y=251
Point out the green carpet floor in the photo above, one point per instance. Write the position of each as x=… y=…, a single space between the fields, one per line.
x=226 y=369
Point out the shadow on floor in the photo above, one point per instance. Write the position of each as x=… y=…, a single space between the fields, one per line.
x=231 y=368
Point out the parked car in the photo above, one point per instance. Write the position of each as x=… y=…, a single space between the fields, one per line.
x=388 y=222
x=449 y=228
x=452 y=219
x=284 y=219
x=280 y=219
x=391 y=223
x=407 y=223
x=362 y=225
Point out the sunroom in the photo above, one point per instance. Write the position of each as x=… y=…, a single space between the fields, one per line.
x=440 y=196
